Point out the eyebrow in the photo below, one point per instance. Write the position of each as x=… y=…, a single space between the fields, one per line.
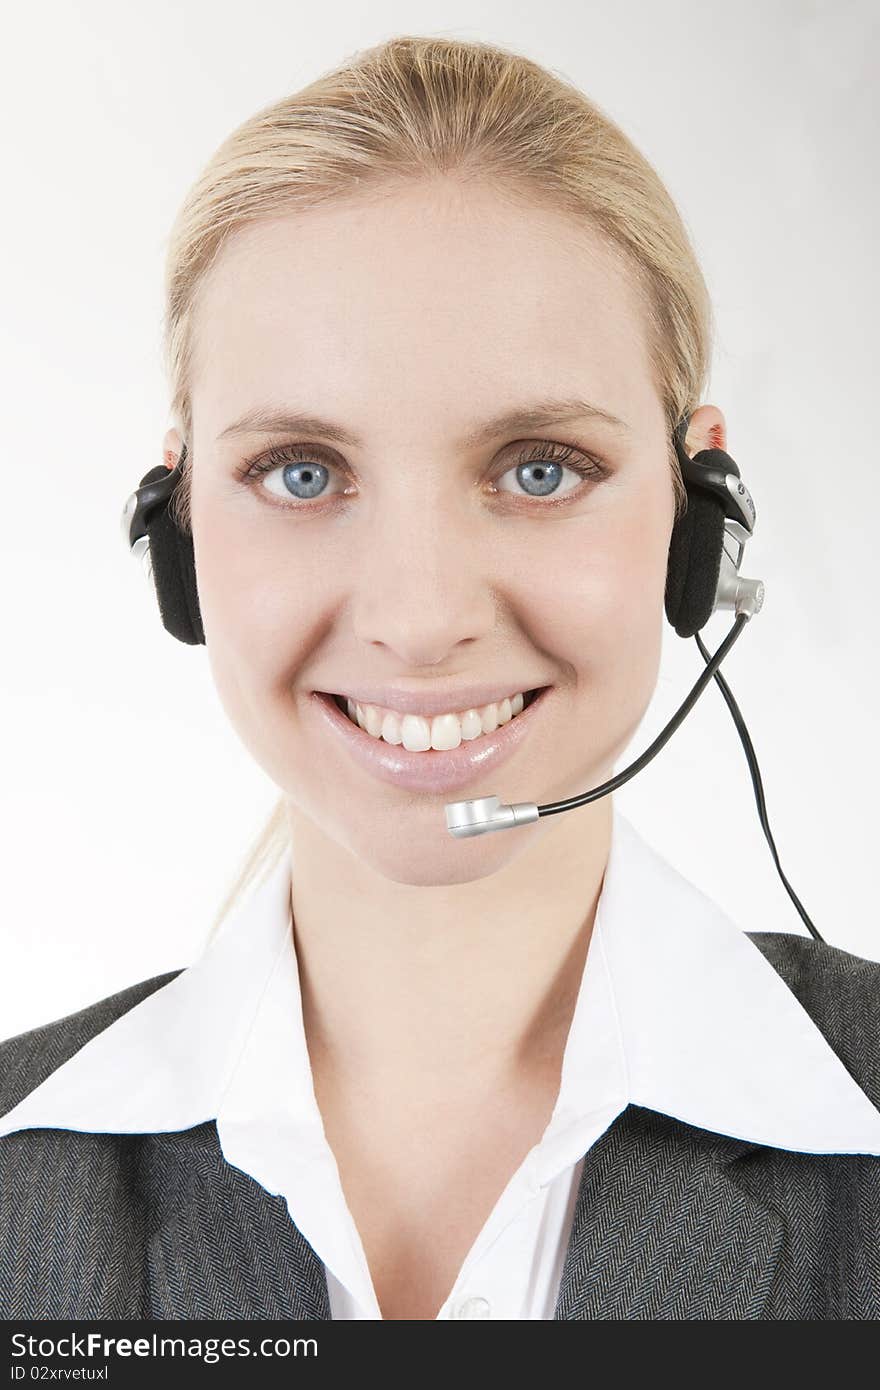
x=273 y=420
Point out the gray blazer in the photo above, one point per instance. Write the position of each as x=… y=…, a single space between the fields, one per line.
x=671 y=1221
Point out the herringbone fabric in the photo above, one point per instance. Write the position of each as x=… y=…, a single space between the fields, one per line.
x=671 y=1221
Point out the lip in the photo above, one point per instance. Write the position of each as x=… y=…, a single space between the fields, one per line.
x=434 y=770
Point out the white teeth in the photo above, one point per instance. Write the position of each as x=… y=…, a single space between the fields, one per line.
x=390 y=726
x=418 y=734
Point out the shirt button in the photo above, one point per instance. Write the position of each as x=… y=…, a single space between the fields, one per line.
x=474 y=1308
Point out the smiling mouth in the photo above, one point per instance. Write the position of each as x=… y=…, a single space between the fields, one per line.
x=424 y=734
x=430 y=758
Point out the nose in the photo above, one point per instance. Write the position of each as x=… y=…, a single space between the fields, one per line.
x=424 y=583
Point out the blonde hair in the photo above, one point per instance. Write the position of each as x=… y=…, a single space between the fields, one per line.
x=409 y=108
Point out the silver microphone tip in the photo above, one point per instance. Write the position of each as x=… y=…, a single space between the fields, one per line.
x=478 y=817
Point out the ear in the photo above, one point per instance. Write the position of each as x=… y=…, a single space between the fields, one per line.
x=172 y=447
x=707 y=430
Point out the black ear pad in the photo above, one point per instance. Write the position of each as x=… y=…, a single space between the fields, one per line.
x=694 y=563
x=174 y=572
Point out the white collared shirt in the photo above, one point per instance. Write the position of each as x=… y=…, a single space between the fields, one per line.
x=677 y=1011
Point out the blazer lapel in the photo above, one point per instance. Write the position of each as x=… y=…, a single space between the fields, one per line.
x=222 y=1246
x=661 y=1231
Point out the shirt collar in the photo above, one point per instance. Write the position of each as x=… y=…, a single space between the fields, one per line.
x=677 y=1011
x=166 y=1063
x=709 y=1032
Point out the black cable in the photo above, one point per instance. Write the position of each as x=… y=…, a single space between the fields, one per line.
x=756 y=784
x=712 y=664
x=552 y=807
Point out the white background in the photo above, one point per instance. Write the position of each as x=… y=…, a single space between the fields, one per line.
x=128 y=802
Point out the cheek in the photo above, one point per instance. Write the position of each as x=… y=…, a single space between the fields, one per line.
x=254 y=597
x=599 y=603
x=601 y=614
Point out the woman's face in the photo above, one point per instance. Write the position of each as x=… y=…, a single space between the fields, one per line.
x=428 y=552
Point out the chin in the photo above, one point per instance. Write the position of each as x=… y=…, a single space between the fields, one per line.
x=436 y=859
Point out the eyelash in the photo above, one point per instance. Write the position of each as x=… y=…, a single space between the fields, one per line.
x=585 y=465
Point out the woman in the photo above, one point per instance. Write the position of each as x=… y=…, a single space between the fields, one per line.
x=432 y=324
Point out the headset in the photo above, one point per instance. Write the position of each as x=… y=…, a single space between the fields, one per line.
x=705 y=553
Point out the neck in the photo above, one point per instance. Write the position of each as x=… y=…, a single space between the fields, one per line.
x=428 y=984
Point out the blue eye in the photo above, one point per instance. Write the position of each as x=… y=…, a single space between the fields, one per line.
x=540 y=478
x=539 y=470
x=305 y=480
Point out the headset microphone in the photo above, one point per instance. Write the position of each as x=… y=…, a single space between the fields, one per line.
x=705 y=554
x=486 y=813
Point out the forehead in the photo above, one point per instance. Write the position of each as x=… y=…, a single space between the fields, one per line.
x=434 y=295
